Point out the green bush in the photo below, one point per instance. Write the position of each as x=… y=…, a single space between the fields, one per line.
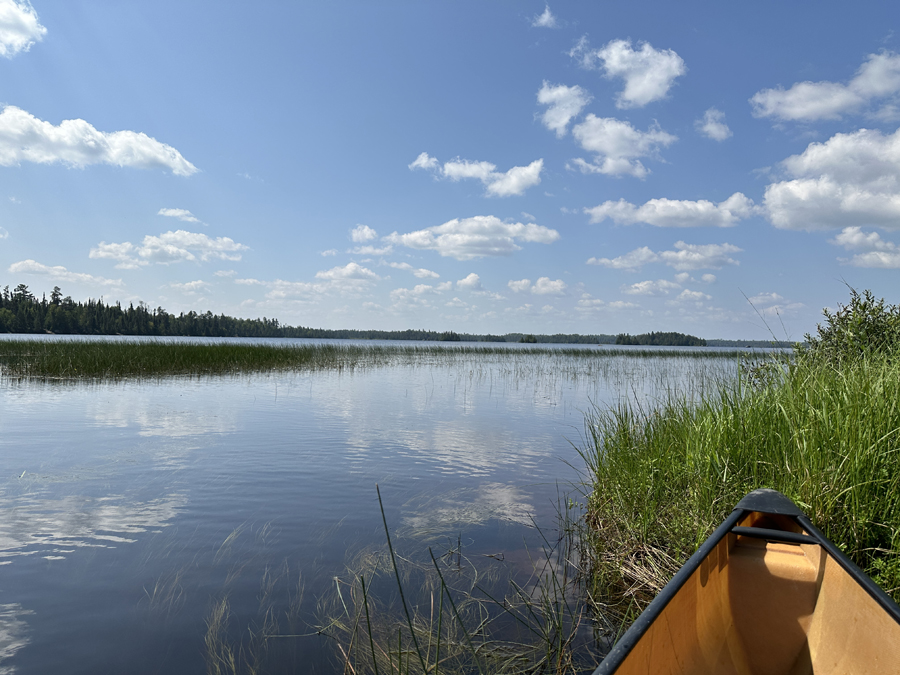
x=861 y=328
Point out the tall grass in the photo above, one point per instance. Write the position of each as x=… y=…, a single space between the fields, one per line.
x=450 y=614
x=85 y=359
x=664 y=478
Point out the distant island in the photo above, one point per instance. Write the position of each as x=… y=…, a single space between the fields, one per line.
x=22 y=312
x=661 y=340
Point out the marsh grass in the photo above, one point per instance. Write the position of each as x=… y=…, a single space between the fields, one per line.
x=663 y=478
x=449 y=613
x=85 y=359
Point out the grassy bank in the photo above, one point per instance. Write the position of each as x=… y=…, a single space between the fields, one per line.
x=77 y=359
x=828 y=437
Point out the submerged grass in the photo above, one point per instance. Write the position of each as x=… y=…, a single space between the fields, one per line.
x=664 y=478
x=86 y=359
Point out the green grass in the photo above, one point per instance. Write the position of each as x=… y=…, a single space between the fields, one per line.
x=84 y=359
x=663 y=479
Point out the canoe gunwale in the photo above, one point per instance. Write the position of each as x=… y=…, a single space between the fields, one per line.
x=765 y=501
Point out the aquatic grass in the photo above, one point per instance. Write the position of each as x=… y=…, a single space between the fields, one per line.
x=448 y=613
x=662 y=478
x=107 y=359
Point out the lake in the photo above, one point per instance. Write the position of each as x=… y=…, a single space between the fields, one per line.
x=139 y=518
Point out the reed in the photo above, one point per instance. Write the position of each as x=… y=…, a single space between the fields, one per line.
x=115 y=359
x=663 y=478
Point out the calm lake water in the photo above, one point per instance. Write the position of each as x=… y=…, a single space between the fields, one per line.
x=129 y=509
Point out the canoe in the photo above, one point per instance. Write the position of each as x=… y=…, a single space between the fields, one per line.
x=766 y=593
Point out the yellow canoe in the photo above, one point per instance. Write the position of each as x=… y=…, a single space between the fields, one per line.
x=766 y=593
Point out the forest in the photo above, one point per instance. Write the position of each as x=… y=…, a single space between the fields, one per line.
x=661 y=339
x=22 y=312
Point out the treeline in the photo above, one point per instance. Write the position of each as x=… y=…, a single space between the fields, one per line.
x=661 y=340
x=22 y=312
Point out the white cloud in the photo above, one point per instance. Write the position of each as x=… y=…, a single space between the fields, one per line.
x=475 y=237
x=630 y=262
x=169 y=247
x=371 y=250
x=182 y=245
x=675 y=212
x=765 y=299
x=850 y=179
x=123 y=253
x=877 y=78
x=24 y=138
x=545 y=20
x=352 y=272
x=181 y=214
x=362 y=233
x=692 y=296
x=543 y=286
x=564 y=103
x=224 y=273
x=330 y=252
x=708 y=278
x=249 y=282
x=472 y=282
x=424 y=161
x=190 y=287
x=546 y=286
x=59 y=273
x=421 y=272
x=3 y=233
x=699 y=256
x=520 y=286
x=513 y=182
x=659 y=287
x=618 y=145
x=19 y=27
x=873 y=250
x=648 y=73
x=685 y=257
x=773 y=304
x=713 y=125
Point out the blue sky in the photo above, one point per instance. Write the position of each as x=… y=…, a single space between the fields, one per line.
x=477 y=166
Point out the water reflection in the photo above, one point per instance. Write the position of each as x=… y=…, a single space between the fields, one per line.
x=13 y=631
x=114 y=532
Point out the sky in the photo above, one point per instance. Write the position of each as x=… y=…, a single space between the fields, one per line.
x=720 y=169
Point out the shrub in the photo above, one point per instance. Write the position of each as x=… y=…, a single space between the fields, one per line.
x=863 y=327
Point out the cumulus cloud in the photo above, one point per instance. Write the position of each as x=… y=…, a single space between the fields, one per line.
x=475 y=237
x=3 y=233
x=169 y=247
x=648 y=73
x=421 y=272
x=872 y=250
x=685 y=257
x=692 y=296
x=20 y=27
x=352 y=272
x=371 y=250
x=773 y=304
x=424 y=161
x=225 y=273
x=713 y=125
x=658 y=287
x=545 y=20
x=618 y=146
x=181 y=214
x=563 y=105
x=25 y=138
x=543 y=286
x=630 y=262
x=876 y=79
x=546 y=286
x=190 y=287
x=675 y=212
x=363 y=233
x=513 y=182
x=850 y=179
x=588 y=304
x=61 y=274
x=472 y=282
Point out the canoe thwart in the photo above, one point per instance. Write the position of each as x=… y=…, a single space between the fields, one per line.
x=781 y=536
